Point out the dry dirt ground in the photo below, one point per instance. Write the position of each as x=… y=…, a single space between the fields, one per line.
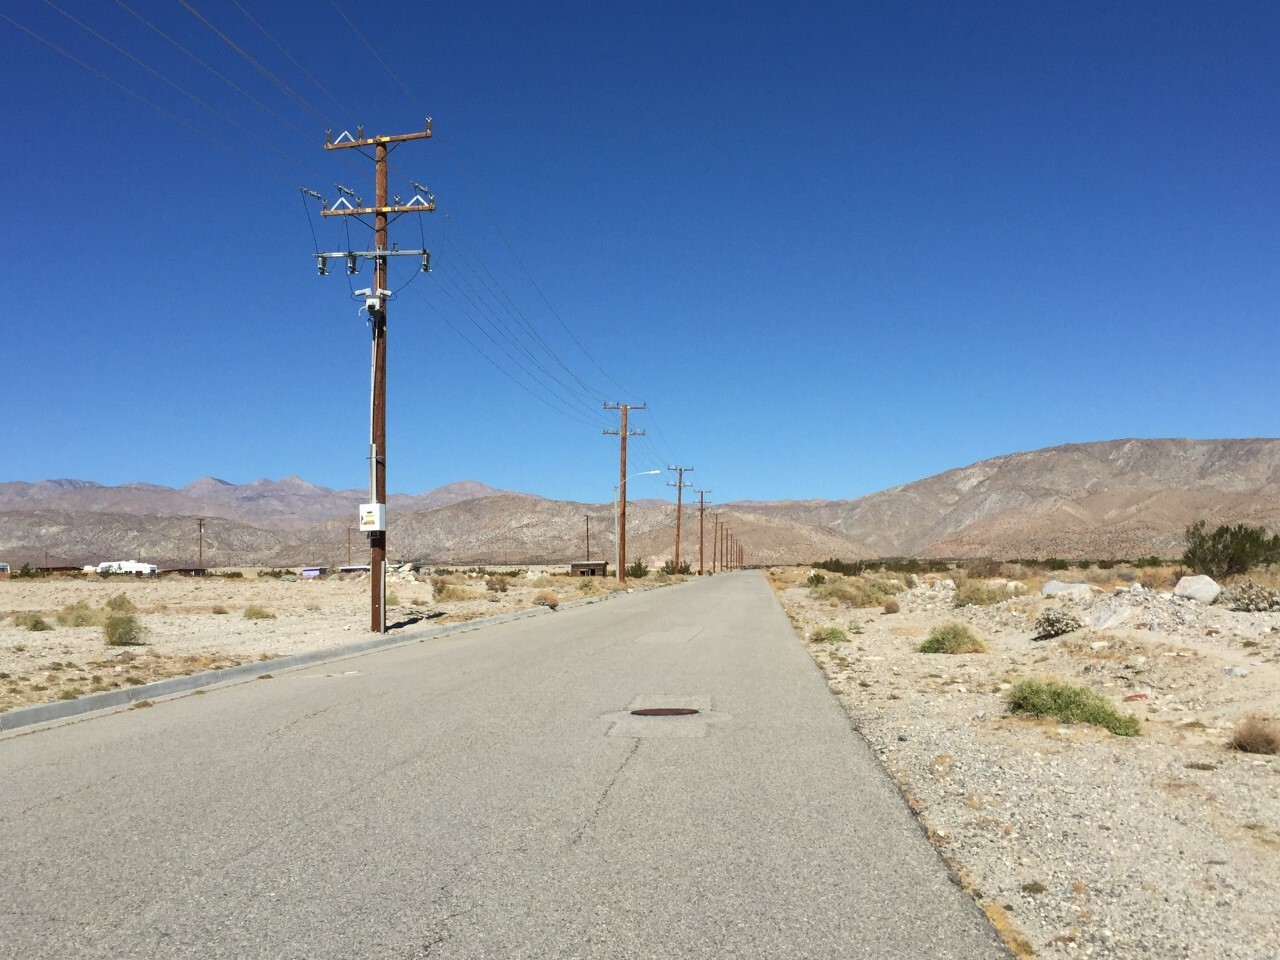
x=196 y=624
x=1075 y=841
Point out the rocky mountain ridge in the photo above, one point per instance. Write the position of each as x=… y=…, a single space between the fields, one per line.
x=1120 y=498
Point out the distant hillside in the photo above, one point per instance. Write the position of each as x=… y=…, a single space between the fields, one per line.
x=290 y=503
x=1120 y=498
x=1113 y=498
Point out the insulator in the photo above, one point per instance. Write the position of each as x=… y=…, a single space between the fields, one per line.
x=322 y=266
x=426 y=261
x=352 y=267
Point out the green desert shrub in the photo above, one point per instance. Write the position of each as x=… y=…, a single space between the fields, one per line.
x=953 y=638
x=1055 y=622
x=829 y=634
x=1070 y=704
x=123 y=630
x=1229 y=550
x=638 y=570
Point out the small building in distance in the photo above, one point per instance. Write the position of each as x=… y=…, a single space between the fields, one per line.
x=589 y=568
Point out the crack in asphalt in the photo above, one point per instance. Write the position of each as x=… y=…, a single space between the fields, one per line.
x=604 y=795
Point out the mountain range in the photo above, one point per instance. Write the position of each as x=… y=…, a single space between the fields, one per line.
x=1119 y=498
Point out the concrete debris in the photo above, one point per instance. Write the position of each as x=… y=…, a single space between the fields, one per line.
x=1249 y=596
x=1074 y=591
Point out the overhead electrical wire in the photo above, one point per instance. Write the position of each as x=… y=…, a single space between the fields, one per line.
x=301 y=69
x=483 y=206
x=156 y=73
x=274 y=174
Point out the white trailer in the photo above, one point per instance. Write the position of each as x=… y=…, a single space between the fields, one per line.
x=128 y=566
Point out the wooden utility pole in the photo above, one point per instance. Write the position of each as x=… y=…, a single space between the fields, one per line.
x=679 y=484
x=588 y=518
x=702 y=509
x=200 y=527
x=715 y=542
x=622 y=433
x=375 y=302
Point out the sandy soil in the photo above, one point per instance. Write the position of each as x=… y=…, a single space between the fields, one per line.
x=1074 y=841
x=195 y=624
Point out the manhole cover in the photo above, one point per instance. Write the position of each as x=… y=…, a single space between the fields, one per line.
x=664 y=712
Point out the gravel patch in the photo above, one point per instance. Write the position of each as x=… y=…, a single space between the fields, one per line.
x=1076 y=841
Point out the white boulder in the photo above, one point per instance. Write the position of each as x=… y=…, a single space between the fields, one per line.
x=1201 y=589
x=1074 y=591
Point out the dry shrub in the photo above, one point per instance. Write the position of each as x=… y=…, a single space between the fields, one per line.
x=984 y=568
x=857 y=591
x=121 y=603
x=953 y=638
x=891 y=606
x=1257 y=734
x=32 y=621
x=449 y=592
x=123 y=630
x=976 y=593
x=79 y=614
x=497 y=584
x=256 y=612
x=546 y=599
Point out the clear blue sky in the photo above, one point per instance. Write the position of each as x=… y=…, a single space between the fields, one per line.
x=836 y=246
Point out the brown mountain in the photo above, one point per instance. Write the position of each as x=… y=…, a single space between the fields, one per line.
x=1113 y=498
x=1121 y=498
x=290 y=503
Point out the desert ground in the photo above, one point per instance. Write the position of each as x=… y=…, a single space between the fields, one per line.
x=190 y=624
x=1076 y=841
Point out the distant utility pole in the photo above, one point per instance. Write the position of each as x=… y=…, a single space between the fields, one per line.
x=679 y=484
x=588 y=518
x=622 y=433
x=373 y=519
x=715 y=542
x=702 y=509
x=200 y=527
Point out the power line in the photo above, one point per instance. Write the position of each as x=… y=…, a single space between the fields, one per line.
x=338 y=103
x=150 y=103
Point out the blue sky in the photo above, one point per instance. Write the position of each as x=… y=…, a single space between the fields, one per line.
x=834 y=246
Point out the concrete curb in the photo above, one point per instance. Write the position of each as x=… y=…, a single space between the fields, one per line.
x=97 y=702
x=93 y=703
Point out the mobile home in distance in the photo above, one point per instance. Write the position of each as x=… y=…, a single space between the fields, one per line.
x=127 y=566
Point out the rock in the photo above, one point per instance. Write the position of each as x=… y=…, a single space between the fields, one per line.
x=1236 y=672
x=1201 y=589
x=1076 y=591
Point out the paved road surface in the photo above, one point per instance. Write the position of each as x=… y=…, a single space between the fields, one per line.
x=485 y=795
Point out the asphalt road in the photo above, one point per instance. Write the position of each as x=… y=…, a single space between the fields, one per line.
x=485 y=795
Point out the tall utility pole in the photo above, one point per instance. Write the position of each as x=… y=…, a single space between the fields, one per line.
x=702 y=509
x=715 y=542
x=373 y=520
x=200 y=527
x=679 y=484
x=588 y=518
x=622 y=433
x=725 y=563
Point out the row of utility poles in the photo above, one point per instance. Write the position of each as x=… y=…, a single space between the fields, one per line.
x=726 y=554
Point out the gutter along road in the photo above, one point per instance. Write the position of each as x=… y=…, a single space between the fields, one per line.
x=487 y=794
